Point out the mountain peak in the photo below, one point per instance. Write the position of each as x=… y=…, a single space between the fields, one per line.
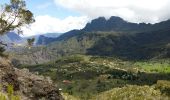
x=115 y=18
x=102 y=24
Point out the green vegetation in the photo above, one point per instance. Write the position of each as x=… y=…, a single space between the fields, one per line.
x=13 y=16
x=66 y=96
x=159 y=66
x=131 y=93
x=164 y=86
x=89 y=77
x=9 y=95
x=113 y=68
x=30 y=42
x=19 y=16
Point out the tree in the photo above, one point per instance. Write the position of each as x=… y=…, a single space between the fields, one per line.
x=14 y=16
x=30 y=42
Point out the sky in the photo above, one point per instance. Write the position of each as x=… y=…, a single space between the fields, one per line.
x=59 y=16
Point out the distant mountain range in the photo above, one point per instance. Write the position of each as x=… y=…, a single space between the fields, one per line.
x=45 y=38
x=11 y=37
x=14 y=38
x=114 y=24
x=112 y=37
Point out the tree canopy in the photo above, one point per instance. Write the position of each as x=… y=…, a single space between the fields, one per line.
x=14 y=15
x=30 y=42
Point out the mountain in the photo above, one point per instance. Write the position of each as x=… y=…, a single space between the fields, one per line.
x=45 y=38
x=53 y=35
x=113 y=37
x=14 y=37
x=118 y=24
x=114 y=24
x=11 y=37
x=116 y=37
x=101 y=24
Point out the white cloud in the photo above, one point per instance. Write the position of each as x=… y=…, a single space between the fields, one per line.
x=48 y=24
x=132 y=10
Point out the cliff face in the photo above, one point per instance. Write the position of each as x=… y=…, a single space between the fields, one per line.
x=27 y=85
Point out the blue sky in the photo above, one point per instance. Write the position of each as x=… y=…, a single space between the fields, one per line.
x=49 y=7
x=59 y=16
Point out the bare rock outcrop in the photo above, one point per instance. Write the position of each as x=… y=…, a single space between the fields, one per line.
x=28 y=85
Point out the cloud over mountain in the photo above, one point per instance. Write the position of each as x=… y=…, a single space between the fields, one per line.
x=48 y=24
x=150 y=11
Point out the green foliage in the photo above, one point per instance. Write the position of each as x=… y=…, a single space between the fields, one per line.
x=19 y=16
x=9 y=95
x=131 y=93
x=30 y=42
x=2 y=96
x=155 y=66
x=12 y=17
x=2 y=50
x=89 y=76
x=71 y=59
x=66 y=96
x=10 y=91
x=164 y=86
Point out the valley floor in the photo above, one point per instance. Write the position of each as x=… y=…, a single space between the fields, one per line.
x=83 y=77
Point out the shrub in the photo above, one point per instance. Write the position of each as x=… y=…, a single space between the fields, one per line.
x=164 y=86
x=10 y=94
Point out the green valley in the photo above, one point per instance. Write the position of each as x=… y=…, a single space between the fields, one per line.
x=94 y=77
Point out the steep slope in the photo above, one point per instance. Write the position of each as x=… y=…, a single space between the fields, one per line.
x=117 y=37
x=145 y=45
x=27 y=85
x=137 y=46
x=115 y=24
x=119 y=25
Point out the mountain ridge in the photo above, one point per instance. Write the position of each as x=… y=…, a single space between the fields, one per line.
x=11 y=37
x=141 y=41
x=115 y=24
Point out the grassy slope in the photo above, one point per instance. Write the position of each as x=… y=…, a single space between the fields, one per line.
x=131 y=93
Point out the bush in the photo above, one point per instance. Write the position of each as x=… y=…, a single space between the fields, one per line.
x=2 y=50
x=10 y=94
x=164 y=86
